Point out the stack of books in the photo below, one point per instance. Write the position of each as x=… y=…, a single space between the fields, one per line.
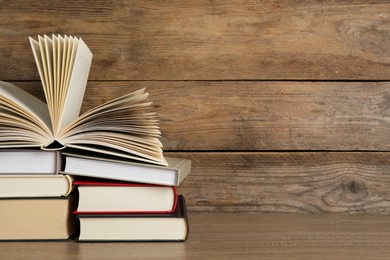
x=126 y=185
x=129 y=201
x=35 y=201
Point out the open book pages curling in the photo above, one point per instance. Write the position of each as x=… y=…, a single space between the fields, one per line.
x=125 y=127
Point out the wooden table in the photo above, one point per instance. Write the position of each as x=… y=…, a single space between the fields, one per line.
x=238 y=236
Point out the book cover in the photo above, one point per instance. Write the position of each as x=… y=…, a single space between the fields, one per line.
x=37 y=218
x=98 y=196
x=30 y=186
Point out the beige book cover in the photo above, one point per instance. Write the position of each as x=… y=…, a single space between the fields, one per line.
x=37 y=218
x=30 y=186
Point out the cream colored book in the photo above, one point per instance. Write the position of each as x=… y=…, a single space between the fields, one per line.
x=136 y=227
x=116 y=197
x=27 y=186
x=125 y=127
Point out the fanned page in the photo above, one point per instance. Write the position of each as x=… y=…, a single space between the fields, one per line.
x=74 y=92
x=124 y=127
x=24 y=119
x=63 y=64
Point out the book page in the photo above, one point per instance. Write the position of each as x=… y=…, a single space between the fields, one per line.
x=116 y=153
x=64 y=45
x=125 y=125
x=26 y=101
x=22 y=115
x=49 y=64
x=69 y=42
x=42 y=51
x=55 y=73
x=69 y=53
x=144 y=147
x=63 y=64
x=38 y=60
x=75 y=91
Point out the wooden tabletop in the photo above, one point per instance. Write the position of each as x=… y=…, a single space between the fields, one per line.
x=238 y=236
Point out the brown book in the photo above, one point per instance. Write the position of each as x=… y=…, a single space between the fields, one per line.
x=37 y=218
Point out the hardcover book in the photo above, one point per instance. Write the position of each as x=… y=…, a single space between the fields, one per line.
x=30 y=186
x=112 y=168
x=125 y=127
x=29 y=161
x=37 y=218
x=135 y=227
x=98 y=196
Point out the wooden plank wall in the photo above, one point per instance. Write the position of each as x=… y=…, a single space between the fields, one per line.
x=283 y=106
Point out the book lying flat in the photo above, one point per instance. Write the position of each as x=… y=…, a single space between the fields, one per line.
x=24 y=186
x=115 y=197
x=29 y=161
x=37 y=218
x=126 y=126
x=152 y=227
x=108 y=168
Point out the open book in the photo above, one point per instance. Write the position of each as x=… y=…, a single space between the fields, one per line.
x=125 y=127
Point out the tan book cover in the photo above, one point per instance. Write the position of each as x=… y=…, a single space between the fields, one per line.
x=37 y=218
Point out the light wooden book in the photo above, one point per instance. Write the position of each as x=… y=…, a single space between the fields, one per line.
x=124 y=127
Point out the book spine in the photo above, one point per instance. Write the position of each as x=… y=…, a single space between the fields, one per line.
x=182 y=213
x=58 y=162
x=175 y=201
x=70 y=185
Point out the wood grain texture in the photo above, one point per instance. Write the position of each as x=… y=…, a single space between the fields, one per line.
x=319 y=182
x=260 y=115
x=238 y=236
x=207 y=40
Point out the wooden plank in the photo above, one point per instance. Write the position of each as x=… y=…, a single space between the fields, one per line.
x=261 y=115
x=239 y=236
x=307 y=182
x=208 y=40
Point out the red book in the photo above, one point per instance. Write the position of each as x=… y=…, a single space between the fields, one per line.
x=116 y=197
